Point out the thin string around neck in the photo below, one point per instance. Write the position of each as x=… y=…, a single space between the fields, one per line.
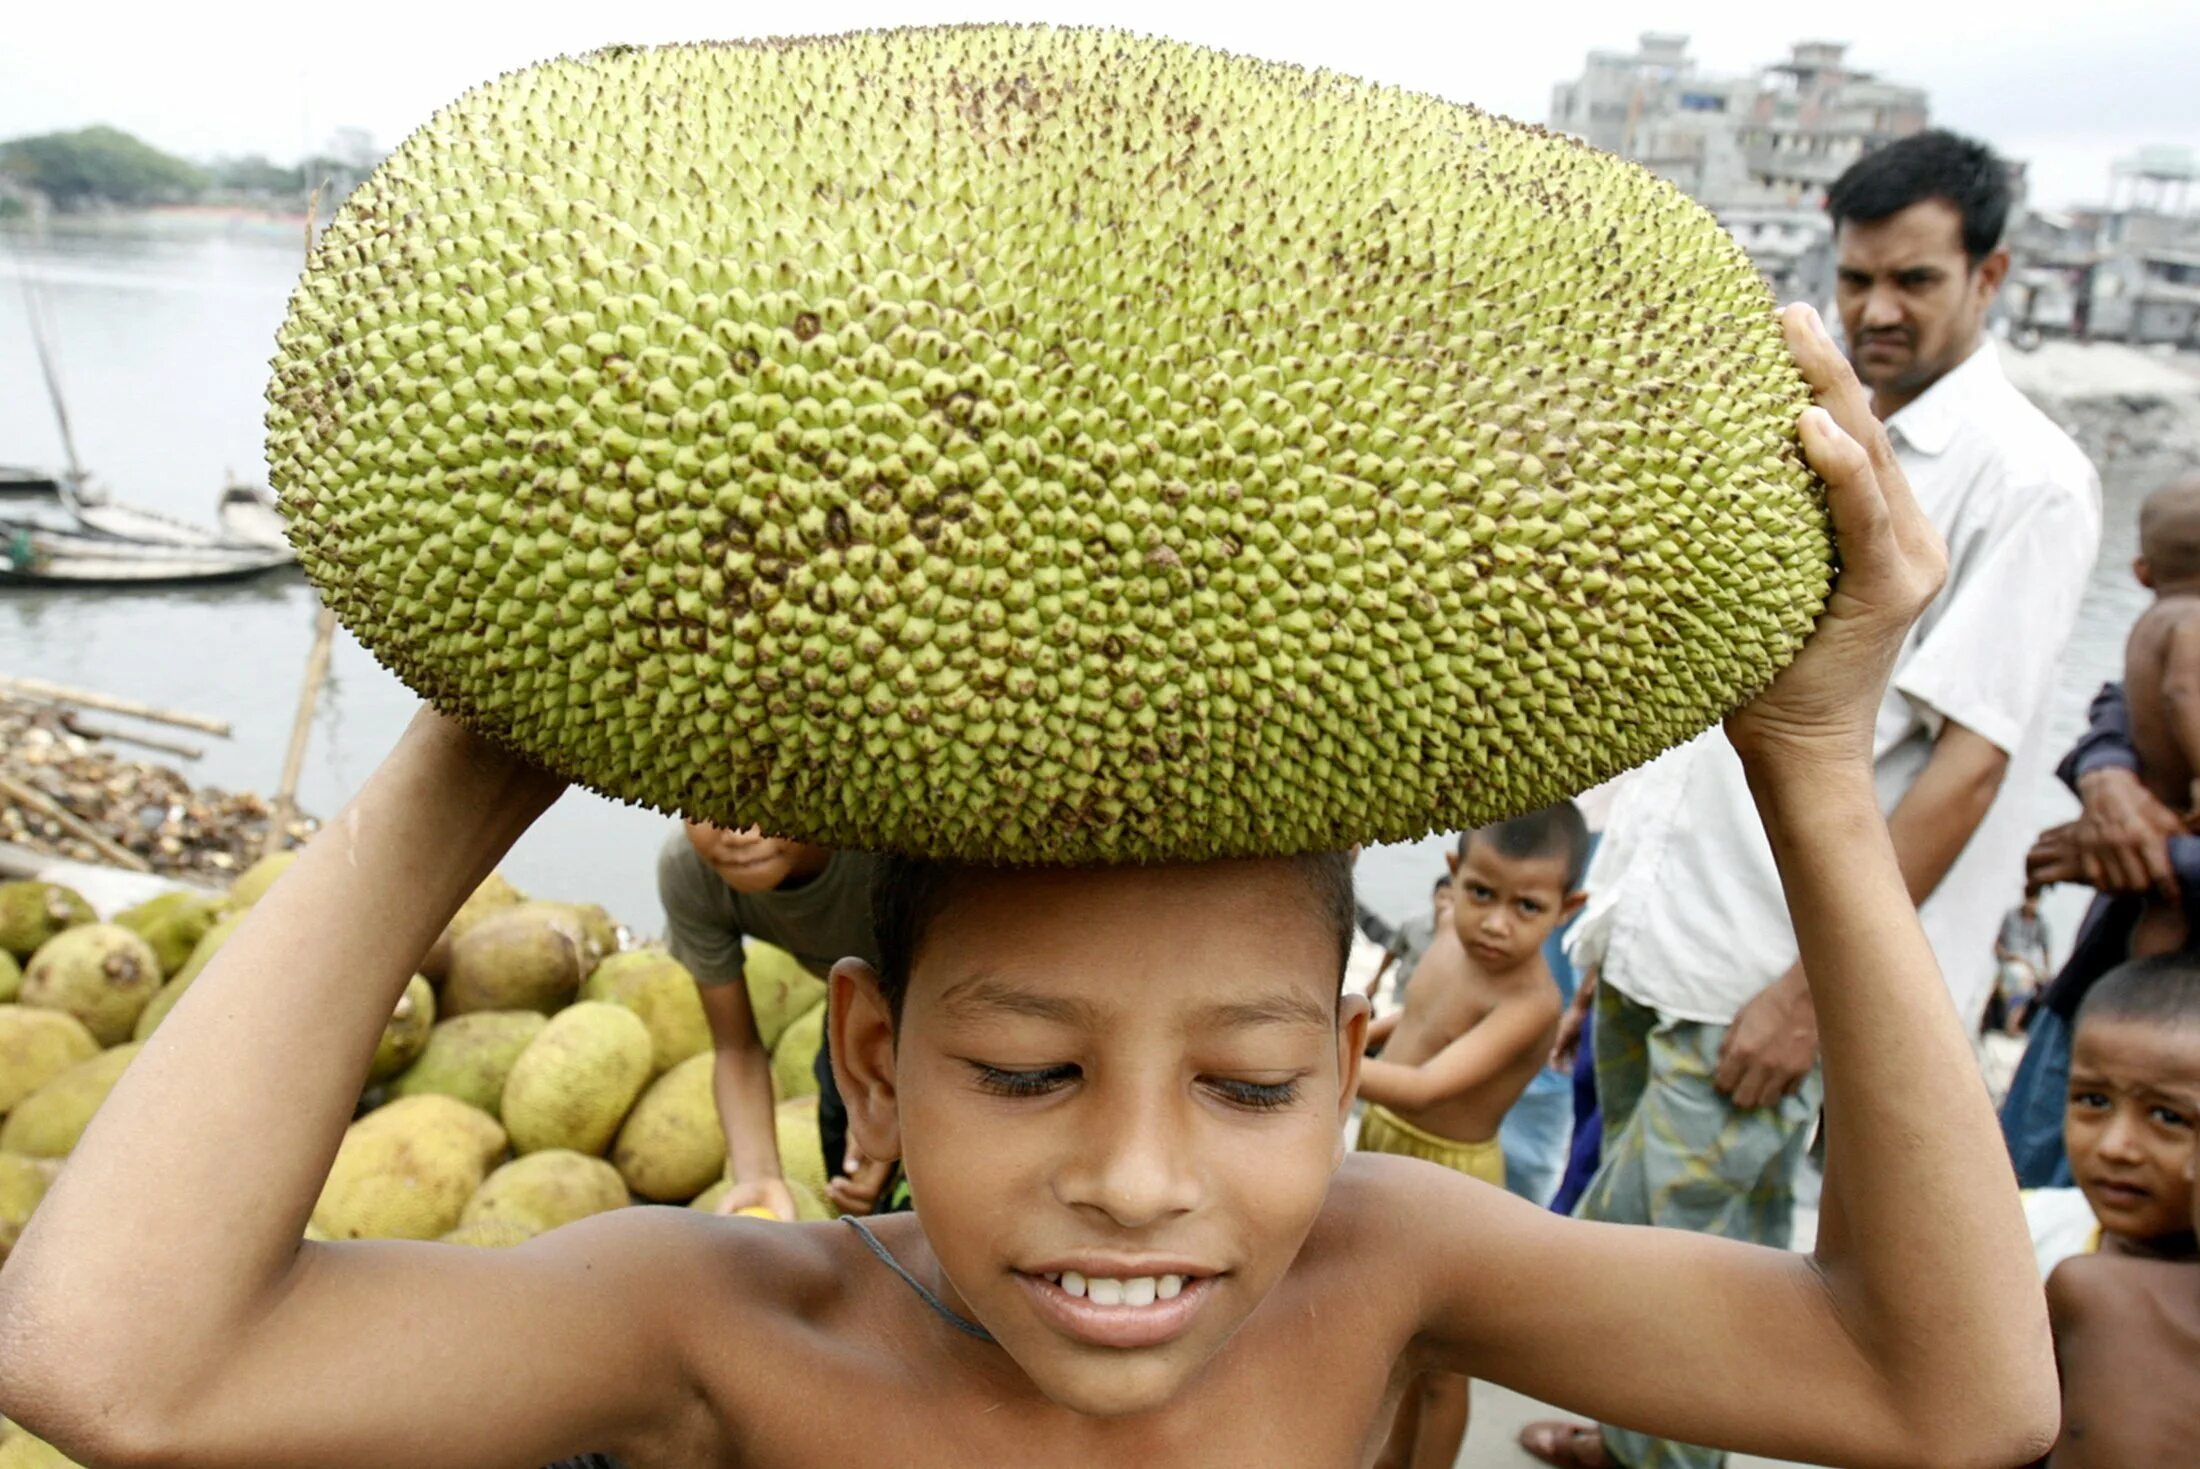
x=924 y=1292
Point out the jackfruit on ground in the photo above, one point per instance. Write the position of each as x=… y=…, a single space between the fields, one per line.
x=469 y=1057
x=47 y=1123
x=35 y=1047
x=672 y=1143
x=801 y=1150
x=33 y=912
x=21 y=1449
x=494 y=1234
x=11 y=977
x=406 y=1170
x=530 y=956
x=406 y=1036
x=173 y=924
x=23 y=1182
x=781 y=990
x=573 y=1085
x=540 y=1191
x=493 y=894
x=202 y=954
x=1087 y=447
x=101 y=973
x=252 y=884
x=794 y=1058
x=807 y=1206
x=657 y=987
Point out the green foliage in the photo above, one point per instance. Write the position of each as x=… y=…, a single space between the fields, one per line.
x=99 y=165
x=253 y=174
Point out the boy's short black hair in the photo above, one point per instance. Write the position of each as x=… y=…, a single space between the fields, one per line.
x=908 y=893
x=1935 y=164
x=1554 y=831
x=2163 y=989
x=1443 y=880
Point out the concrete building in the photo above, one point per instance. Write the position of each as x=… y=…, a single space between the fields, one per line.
x=1758 y=150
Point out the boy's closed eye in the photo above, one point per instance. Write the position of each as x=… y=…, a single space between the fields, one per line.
x=1257 y=1096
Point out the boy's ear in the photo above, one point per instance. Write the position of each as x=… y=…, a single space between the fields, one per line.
x=1353 y=1011
x=861 y=1028
x=1451 y=861
x=1571 y=905
x=2143 y=572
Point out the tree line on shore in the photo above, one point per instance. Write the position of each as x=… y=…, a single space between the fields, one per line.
x=105 y=167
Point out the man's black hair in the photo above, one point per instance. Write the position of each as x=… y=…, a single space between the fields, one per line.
x=1443 y=880
x=1935 y=164
x=1554 y=831
x=2163 y=989
x=908 y=893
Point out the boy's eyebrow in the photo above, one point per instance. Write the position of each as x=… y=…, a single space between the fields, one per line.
x=1277 y=1009
x=986 y=992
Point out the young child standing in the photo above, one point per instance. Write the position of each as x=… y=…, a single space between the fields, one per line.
x=1476 y=1029
x=2162 y=680
x=1118 y=1093
x=2131 y=1118
x=2127 y=1335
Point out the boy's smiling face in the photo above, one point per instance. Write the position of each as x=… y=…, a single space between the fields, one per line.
x=2129 y=1128
x=1115 y=1082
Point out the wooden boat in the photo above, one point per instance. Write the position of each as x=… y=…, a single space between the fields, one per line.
x=248 y=514
x=36 y=555
x=17 y=482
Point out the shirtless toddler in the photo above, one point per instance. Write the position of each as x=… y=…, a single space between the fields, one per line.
x=2162 y=678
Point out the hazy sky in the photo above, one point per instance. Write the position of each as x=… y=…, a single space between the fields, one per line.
x=2069 y=86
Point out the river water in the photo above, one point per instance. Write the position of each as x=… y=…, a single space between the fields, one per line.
x=163 y=327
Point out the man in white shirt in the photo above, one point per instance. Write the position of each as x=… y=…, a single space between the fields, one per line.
x=1705 y=1041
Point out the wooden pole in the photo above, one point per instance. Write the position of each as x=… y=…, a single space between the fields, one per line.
x=16 y=791
x=53 y=693
x=324 y=633
x=91 y=731
x=286 y=797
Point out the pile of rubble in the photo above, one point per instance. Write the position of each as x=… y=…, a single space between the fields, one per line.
x=204 y=835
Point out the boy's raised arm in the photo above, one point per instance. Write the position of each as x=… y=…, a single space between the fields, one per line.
x=160 y=1307
x=1917 y=1333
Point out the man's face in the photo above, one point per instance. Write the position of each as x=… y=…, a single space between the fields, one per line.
x=1120 y=1096
x=1441 y=901
x=1503 y=907
x=750 y=862
x=1911 y=305
x=2129 y=1129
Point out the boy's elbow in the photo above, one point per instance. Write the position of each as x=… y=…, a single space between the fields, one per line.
x=1990 y=1429
x=87 y=1403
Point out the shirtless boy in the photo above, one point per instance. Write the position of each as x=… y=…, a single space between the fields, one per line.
x=1102 y=1082
x=2127 y=1336
x=1473 y=1034
x=2162 y=678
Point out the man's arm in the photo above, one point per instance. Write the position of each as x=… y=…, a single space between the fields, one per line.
x=160 y=1307
x=1773 y=1041
x=1916 y=1332
x=741 y=1085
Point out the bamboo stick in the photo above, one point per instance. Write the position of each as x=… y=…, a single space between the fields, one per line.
x=38 y=688
x=91 y=731
x=15 y=790
x=286 y=798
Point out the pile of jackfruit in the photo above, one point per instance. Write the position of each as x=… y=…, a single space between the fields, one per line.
x=534 y=1071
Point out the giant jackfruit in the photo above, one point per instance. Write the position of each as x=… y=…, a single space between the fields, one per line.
x=1043 y=445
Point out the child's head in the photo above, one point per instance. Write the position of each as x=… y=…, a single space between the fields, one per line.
x=1440 y=900
x=1515 y=881
x=1116 y=1075
x=2169 y=537
x=2135 y=1097
x=749 y=861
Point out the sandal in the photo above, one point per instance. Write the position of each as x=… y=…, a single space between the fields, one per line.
x=1568 y=1445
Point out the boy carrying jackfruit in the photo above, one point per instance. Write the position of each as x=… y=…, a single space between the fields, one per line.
x=1118 y=1092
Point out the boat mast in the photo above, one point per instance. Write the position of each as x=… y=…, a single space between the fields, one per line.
x=34 y=308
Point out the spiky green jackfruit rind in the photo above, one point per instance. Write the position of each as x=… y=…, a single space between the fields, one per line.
x=1043 y=445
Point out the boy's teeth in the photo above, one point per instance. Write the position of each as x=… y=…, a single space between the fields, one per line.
x=1141 y=1290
